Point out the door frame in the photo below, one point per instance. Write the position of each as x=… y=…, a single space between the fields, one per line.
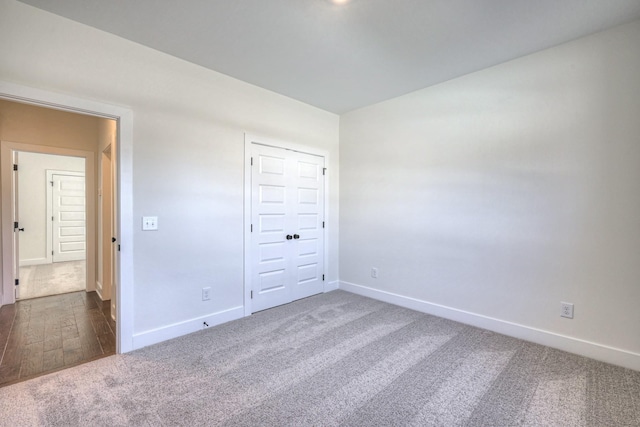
x=8 y=257
x=49 y=214
x=106 y=228
x=15 y=215
x=124 y=183
x=249 y=140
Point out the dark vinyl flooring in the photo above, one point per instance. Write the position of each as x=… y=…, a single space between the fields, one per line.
x=43 y=335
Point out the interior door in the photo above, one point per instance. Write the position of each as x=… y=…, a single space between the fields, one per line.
x=69 y=226
x=16 y=225
x=287 y=214
x=307 y=250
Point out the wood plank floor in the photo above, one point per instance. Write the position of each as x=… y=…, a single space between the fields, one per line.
x=42 y=335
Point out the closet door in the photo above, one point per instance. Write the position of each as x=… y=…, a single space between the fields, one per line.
x=287 y=214
x=307 y=250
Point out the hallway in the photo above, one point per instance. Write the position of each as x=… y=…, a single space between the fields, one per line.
x=43 y=335
x=52 y=279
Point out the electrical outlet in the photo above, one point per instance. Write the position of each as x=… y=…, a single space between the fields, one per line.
x=374 y=272
x=206 y=294
x=566 y=310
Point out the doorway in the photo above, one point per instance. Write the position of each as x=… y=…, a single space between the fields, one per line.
x=55 y=197
x=57 y=321
x=123 y=177
x=285 y=205
x=51 y=212
x=40 y=226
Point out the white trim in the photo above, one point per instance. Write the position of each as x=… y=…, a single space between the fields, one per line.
x=34 y=261
x=331 y=286
x=124 y=176
x=585 y=348
x=179 y=329
x=247 y=226
x=254 y=139
x=99 y=289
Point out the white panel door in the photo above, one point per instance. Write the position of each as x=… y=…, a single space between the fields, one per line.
x=270 y=220
x=69 y=227
x=287 y=213
x=308 y=216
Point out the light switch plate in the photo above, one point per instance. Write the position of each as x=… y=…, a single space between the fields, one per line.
x=149 y=223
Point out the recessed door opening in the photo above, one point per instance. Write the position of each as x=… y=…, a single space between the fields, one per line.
x=59 y=309
x=52 y=217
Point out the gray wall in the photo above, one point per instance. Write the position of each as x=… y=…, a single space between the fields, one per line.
x=504 y=192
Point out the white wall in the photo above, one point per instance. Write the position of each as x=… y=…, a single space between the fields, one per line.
x=32 y=196
x=189 y=126
x=505 y=192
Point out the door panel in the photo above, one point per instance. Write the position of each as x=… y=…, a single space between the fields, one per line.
x=287 y=199
x=269 y=218
x=69 y=228
x=308 y=248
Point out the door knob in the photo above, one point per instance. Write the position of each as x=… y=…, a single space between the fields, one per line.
x=289 y=237
x=296 y=236
x=113 y=240
x=21 y=229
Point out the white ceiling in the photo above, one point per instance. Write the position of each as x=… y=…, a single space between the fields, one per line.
x=342 y=57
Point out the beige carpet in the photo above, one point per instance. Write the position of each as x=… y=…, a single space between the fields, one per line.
x=52 y=279
x=336 y=359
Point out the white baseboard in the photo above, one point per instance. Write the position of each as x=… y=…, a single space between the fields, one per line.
x=581 y=347
x=34 y=261
x=101 y=293
x=331 y=286
x=91 y=286
x=179 y=329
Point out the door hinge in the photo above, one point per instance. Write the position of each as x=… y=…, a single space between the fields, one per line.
x=15 y=225
x=118 y=248
x=324 y=171
x=251 y=294
x=252 y=161
x=15 y=168
x=51 y=183
x=18 y=280
x=252 y=228
x=323 y=277
x=51 y=252
x=322 y=224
